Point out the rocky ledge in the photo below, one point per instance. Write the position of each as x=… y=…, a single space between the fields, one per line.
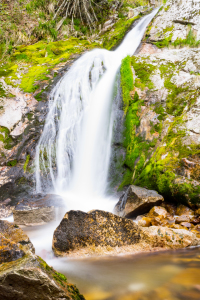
x=23 y=275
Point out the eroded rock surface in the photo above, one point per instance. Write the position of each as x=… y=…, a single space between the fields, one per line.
x=14 y=242
x=34 y=216
x=102 y=233
x=31 y=278
x=158 y=236
x=136 y=201
x=79 y=230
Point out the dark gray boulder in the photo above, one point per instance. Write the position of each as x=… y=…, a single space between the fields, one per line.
x=137 y=201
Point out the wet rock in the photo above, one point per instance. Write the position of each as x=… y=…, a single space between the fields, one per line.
x=160 y=216
x=136 y=201
x=34 y=216
x=6 y=211
x=38 y=210
x=184 y=210
x=158 y=236
x=177 y=226
x=145 y=222
x=184 y=218
x=170 y=208
x=187 y=224
x=157 y=211
x=14 y=242
x=197 y=227
x=79 y=230
x=31 y=278
x=197 y=212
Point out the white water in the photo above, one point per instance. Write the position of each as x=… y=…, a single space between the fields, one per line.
x=73 y=154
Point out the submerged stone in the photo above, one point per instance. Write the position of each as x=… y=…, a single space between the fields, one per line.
x=136 y=201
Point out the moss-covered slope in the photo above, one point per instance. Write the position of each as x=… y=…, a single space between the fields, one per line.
x=161 y=108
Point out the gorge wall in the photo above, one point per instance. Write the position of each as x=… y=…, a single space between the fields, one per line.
x=160 y=87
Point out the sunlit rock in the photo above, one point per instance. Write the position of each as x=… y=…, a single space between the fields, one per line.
x=79 y=230
x=14 y=242
x=158 y=236
x=31 y=278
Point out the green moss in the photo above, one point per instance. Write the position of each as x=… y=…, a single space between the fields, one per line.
x=164 y=42
x=190 y=40
x=38 y=61
x=12 y=163
x=112 y=38
x=143 y=71
x=26 y=163
x=126 y=82
x=6 y=138
x=137 y=149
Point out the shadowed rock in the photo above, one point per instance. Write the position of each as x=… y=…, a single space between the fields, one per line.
x=137 y=201
x=31 y=278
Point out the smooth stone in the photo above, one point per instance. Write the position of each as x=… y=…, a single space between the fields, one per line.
x=30 y=216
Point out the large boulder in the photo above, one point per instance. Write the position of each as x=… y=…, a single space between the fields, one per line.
x=14 y=242
x=136 y=201
x=31 y=278
x=80 y=230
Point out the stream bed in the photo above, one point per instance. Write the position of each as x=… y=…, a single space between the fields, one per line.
x=165 y=275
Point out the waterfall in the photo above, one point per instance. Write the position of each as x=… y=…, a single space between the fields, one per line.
x=73 y=153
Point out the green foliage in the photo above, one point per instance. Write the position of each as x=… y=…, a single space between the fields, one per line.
x=12 y=163
x=165 y=42
x=189 y=41
x=6 y=138
x=38 y=60
x=112 y=38
x=137 y=150
x=126 y=82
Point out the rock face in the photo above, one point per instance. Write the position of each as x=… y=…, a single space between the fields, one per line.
x=158 y=236
x=34 y=216
x=31 y=278
x=24 y=275
x=137 y=201
x=168 y=119
x=175 y=20
x=79 y=230
x=14 y=242
x=99 y=232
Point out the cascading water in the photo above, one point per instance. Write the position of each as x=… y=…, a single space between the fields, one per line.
x=73 y=154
